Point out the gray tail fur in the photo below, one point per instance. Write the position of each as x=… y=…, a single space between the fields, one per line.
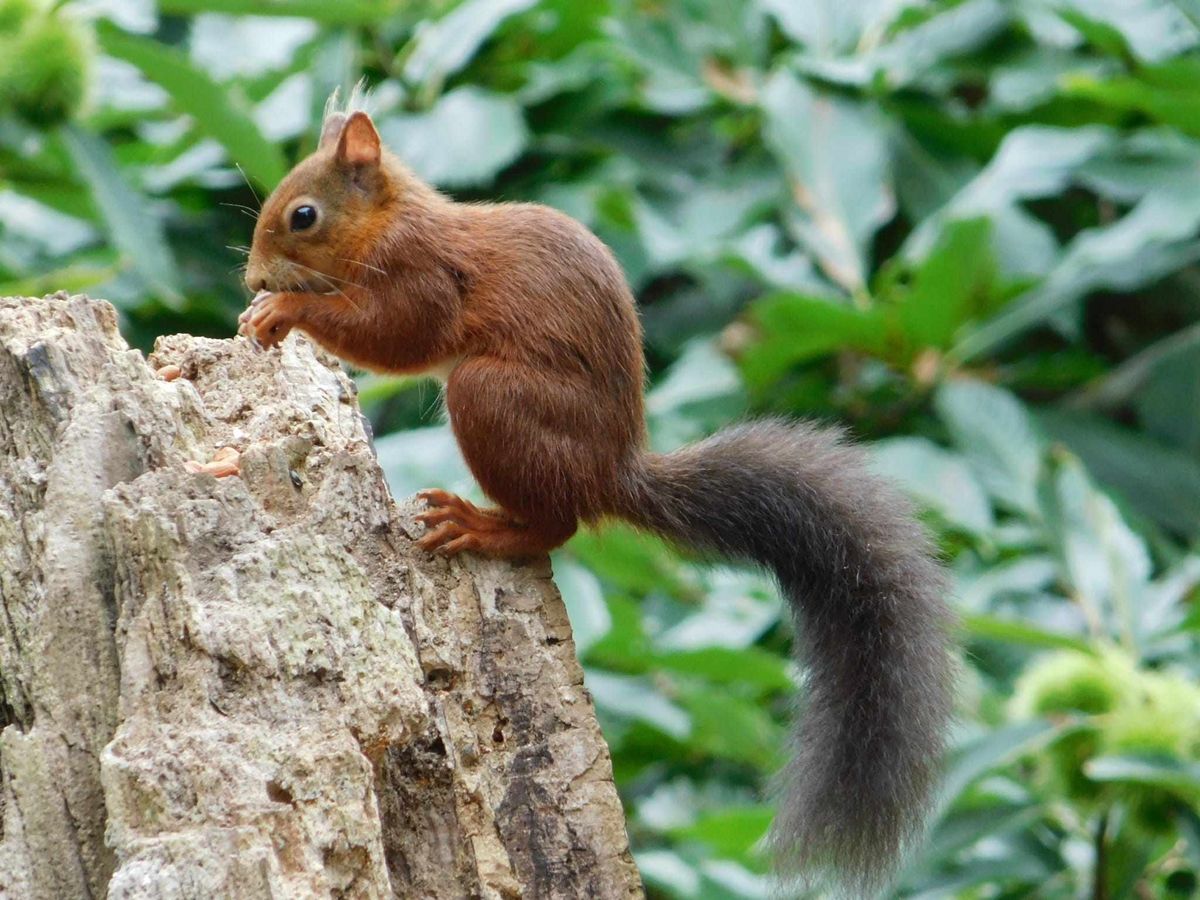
x=862 y=582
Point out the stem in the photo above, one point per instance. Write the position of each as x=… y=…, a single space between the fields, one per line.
x=1100 y=882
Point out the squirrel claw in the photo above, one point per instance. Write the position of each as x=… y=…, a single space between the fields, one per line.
x=439 y=539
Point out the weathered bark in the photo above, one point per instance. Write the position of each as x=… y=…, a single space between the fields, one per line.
x=256 y=686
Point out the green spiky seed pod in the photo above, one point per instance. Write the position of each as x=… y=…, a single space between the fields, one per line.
x=14 y=14
x=44 y=70
x=1069 y=682
x=1160 y=715
x=1065 y=683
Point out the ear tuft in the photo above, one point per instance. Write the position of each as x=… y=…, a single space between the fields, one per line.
x=331 y=130
x=359 y=142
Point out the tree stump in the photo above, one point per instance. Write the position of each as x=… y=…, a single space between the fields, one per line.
x=256 y=686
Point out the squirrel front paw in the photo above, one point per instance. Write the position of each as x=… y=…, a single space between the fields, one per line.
x=268 y=319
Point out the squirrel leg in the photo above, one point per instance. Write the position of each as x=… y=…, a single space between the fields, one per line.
x=456 y=525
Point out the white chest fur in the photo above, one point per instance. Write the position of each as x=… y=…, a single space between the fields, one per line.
x=442 y=369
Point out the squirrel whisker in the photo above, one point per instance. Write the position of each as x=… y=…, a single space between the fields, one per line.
x=244 y=210
x=364 y=265
x=329 y=279
x=253 y=193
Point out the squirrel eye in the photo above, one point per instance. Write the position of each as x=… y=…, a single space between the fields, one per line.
x=303 y=217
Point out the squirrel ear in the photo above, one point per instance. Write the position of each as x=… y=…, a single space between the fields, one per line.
x=359 y=143
x=332 y=129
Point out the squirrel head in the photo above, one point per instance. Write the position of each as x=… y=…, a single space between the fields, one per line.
x=320 y=224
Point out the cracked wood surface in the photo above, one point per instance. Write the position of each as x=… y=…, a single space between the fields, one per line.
x=256 y=686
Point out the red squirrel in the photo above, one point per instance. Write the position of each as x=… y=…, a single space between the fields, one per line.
x=529 y=318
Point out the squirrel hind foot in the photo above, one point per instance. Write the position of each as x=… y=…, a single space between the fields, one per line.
x=455 y=525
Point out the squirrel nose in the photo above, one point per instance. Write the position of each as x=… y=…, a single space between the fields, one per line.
x=255 y=281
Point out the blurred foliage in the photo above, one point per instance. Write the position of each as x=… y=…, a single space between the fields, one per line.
x=966 y=229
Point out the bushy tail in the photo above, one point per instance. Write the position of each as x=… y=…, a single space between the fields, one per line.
x=872 y=629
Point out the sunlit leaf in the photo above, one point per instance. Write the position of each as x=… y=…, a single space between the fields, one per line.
x=1107 y=564
x=217 y=111
x=730 y=727
x=590 y=619
x=938 y=479
x=442 y=47
x=466 y=138
x=836 y=153
x=747 y=667
x=638 y=700
x=421 y=458
x=997 y=437
x=136 y=230
x=732 y=831
x=1152 y=29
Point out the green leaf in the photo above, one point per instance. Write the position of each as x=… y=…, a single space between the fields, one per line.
x=424 y=457
x=914 y=55
x=1033 y=161
x=74 y=279
x=729 y=727
x=961 y=829
x=700 y=374
x=996 y=629
x=731 y=832
x=637 y=700
x=735 y=611
x=135 y=229
x=1169 y=405
x=830 y=27
x=1029 y=573
x=465 y=139
x=1155 y=238
x=1107 y=564
x=1164 y=92
x=1161 y=483
x=1174 y=775
x=997 y=437
x=624 y=647
x=955 y=284
x=670 y=872
x=443 y=47
x=747 y=667
x=796 y=328
x=216 y=110
x=937 y=479
x=994 y=749
x=581 y=593
x=836 y=154
x=341 y=12
x=1152 y=29
x=632 y=561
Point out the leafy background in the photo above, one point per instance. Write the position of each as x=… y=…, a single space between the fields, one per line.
x=968 y=230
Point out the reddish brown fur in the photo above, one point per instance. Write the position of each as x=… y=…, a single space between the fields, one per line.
x=530 y=308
